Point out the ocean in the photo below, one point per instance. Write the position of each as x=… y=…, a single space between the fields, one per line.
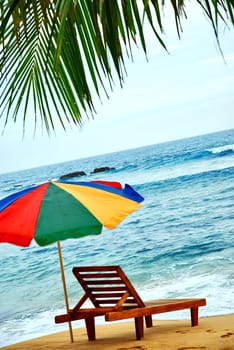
x=180 y=244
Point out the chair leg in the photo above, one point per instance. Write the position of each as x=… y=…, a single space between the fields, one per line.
x=139 y=326
x=148 y=321
x=90 y=327
x=194 y=316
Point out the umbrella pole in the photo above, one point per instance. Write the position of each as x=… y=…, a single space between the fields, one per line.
x=64 y=287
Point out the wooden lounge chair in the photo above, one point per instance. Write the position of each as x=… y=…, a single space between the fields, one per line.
x=113 y=296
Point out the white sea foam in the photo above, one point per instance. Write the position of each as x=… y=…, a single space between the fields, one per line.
x=217 y=150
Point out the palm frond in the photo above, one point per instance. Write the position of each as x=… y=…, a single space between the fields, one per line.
x=56 y=56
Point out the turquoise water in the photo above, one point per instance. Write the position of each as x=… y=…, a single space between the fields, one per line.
x=180 y=243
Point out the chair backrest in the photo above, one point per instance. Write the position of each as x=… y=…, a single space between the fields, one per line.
x=107 y=286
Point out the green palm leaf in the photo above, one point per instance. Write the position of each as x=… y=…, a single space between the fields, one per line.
x=57 y=55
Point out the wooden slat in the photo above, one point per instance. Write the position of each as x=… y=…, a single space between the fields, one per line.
x=107 y=301
x=103 y=282
x=108 y=295
x=115 y=302
x=95 y=268
x=108 y=289
x=170 y=305
x=99 y=275
x=186 y=302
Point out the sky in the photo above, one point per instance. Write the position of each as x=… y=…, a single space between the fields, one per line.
x=185 y=93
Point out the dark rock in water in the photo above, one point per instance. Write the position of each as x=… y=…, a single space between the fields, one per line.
x=99 y=170
x=74 y=174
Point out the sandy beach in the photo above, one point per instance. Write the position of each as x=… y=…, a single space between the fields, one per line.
x=213 y=333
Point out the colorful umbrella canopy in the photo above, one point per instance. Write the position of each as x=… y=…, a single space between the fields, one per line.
x=54 y=211
x=57 y=210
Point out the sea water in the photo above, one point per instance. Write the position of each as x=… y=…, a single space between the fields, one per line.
x=180 y=244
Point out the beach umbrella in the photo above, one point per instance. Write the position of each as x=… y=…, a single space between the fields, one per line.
x=57 y=210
